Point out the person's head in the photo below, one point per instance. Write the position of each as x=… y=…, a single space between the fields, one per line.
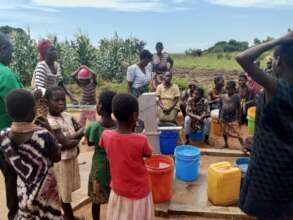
x=167 y=78
x=104 y=106
x=125 y=109
x=145 y=57
x=84 y=76
x=43 y=45
x=5 y=50
x=51 y=54
x=283 y=60
x=198 y=93
x=192 y=85
x=269 y=60
x=56 y=100
x=20 y=105
x=219 y=82
x=231 y=88
x=242 y=80
x=159 y=47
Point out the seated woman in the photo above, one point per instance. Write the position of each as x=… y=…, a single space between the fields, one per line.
x=168 y=103
x=198 y=113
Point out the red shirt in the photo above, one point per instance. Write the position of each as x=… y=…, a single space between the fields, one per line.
x=128 y=172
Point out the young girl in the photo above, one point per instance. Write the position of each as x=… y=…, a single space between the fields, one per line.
x=86 y=80
x=99 y=179
x=215 y=94
x=31 y=151
x=68 y=133
x=267 y=191
x=130 y=197
x=230 y=114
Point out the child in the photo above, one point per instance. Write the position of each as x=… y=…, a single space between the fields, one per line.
x=86 y=80
x=130 y=197
x=214 y=95
x=267 y=191
x=186 y=94
x=31 y=151
x=247 y=96
x=197 y=115
x=230 y=114
x=99 y=180
x=68 y=133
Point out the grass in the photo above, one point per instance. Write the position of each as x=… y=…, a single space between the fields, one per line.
x=207 y=61
x=221 y=61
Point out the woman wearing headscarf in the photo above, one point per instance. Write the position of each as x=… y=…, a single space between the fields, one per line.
x=8 y=82
x=47 y=74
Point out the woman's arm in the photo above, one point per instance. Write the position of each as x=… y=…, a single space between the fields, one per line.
x=246 y=60
x=129 y=86
x=174 y=104
x=66 y=142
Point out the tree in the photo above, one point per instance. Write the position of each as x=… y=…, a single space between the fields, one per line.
x=194 y=52
x=256 y=41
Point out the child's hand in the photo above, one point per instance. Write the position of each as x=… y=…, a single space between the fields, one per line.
x=38 y=94
x=43 y=122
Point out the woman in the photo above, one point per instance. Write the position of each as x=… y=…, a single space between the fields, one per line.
x=168 y=95
x=47 y=74
x=139 y=75
x=8 y=82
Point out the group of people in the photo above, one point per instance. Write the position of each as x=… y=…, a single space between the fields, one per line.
x=39 y=140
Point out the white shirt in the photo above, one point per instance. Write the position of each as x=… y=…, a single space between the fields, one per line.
x=137 y=77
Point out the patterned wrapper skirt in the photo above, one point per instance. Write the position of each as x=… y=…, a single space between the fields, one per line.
x=122 y=208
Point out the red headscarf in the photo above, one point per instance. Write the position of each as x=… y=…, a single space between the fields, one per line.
x=43 y=45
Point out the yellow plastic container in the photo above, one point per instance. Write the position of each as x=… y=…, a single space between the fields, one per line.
x=223 y=184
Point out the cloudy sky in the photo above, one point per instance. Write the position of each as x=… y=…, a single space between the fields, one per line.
x=180 y=24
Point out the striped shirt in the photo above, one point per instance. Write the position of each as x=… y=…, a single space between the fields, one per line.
x=88 y=96
x=43 y=78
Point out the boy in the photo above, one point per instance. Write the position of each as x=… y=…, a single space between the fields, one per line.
x=86 y=80
x=215 y=94
x=230 y=114
x=246 y=95
x=197 y=115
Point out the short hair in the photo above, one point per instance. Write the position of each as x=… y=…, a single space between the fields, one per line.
x=243 y=75
x=159 y=44
x=19 y=104
x=105 y=99
x=50 y=92
x=218 y=78
x=124 y=105
x=285 y=52
x=5 y=49
x=200 y=91
x=146 y=54
x=231 y=84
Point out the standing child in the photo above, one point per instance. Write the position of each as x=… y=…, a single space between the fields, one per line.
x=230 y=114
x=68 y=133
x=267 y=191
x=31 y=151
x=86 y=80
x=246 y=95
x=130 y=197
x=214 y=95
x=99 y=179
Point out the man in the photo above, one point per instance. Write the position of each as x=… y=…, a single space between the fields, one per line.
x=162 y=63
x=8 y=82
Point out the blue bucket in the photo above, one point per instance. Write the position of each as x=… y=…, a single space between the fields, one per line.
x=168 y=141
x=196 y=135
x=242 y=164
x=186 y=162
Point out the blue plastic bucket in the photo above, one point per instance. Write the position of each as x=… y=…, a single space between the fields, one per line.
x=196 y=135
x=186 y=162
x=168 y=141
x=242 y=164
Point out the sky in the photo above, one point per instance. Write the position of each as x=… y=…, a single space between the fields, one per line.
x=179 y=24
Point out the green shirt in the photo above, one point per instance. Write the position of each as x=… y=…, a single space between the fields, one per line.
x=100 y=165
x=8 y=82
